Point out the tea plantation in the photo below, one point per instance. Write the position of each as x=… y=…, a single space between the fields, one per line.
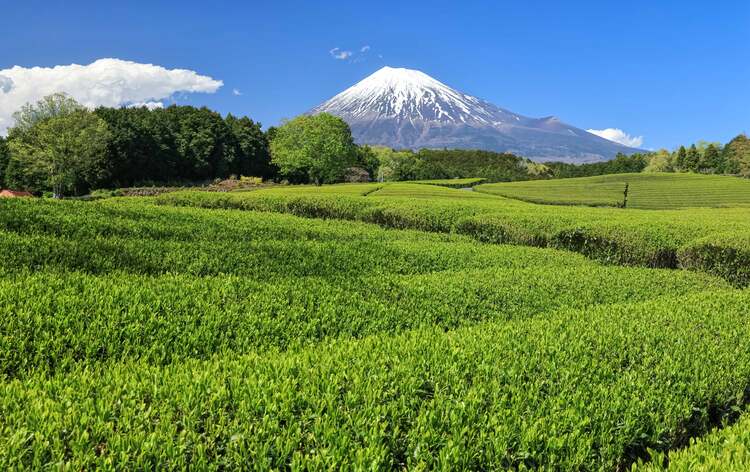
x=648 y=191
x=371 y=326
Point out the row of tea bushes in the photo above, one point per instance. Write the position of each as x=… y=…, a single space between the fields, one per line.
x=590 y=389
x=630 y=237
x=54 y=321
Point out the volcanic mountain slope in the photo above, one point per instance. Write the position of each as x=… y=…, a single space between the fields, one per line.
x=408 y=109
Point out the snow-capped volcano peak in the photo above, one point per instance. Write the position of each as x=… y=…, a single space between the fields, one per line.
x=406 y=108
x=406 y=94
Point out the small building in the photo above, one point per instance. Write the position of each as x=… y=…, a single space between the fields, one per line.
x=6 y=193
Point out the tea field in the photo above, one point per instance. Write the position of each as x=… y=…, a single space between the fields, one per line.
x=370 y=326
x=647 y=191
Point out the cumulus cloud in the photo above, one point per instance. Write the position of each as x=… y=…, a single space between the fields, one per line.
x=340 y=54
x=619 y=136
x=149 y=105
x=105 y=82
x=6 y=83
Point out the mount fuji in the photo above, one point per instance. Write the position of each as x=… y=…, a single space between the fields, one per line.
x=408 y=109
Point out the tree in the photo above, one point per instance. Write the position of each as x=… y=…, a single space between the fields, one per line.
x=692 y=158
x=57 y=104
x=660 y=161
x=710 y=161
x=4 y=158
x=319 y=147
x=64 y=153
x=737 y=156
x=252 y=153
x=395 y=165
x=367 y=160
x=680 y=159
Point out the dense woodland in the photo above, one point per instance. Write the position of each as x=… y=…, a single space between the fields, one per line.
x=58 y=145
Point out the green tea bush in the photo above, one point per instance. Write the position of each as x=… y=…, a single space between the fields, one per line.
x=576 y=390
x=726 y=255
x=722 y=449
x=53 y=321
x=632 y=237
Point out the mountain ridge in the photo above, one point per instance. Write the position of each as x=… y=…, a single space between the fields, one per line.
x=406 y=108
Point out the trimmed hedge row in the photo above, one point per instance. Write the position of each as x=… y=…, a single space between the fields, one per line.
x=55 y=321
x=576 y=390
x=135 y=237
x=452 y=183
x=629 y=237
x=725 y=449
x=726 y=255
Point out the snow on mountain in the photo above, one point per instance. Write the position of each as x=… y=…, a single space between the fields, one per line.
x=405 y=108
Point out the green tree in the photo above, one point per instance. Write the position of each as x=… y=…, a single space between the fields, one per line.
x=395 y=165
x=692 y=159
x=57 y=104
x=252 y=154
x=367 y=160
x=680 y=159
x=64 y=153
x=711 y=160
x=659 y=161
x=737 y=156
x=319 y=147
x=4 y=158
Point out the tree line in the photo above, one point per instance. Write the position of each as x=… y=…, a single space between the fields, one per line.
x=59 y=146
x=703 y=157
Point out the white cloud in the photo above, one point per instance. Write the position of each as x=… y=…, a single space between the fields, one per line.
x=149 y=105
x=236 y=92
x=105 y=82
x=337 y=53
x=619 y=136
x=6 y=83
x=364 y=48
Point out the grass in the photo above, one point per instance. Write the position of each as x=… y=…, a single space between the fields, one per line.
x=645 y=191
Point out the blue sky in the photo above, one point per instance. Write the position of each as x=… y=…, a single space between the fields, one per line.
x=672 y=72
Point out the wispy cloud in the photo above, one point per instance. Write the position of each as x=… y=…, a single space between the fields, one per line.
x=359 y=55
x=236 y=92
x=339 y=54
x=105 y=82
x=619 y=136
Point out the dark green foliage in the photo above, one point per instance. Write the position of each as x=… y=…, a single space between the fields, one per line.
x=182 y=143
x=711 y=161
x=725 y=254
x=681 y=159
x=367 y=160
x=460 y=163
x=252 y=156
x=433 y=164
x=692 y=159
x=621 y=164
x=4 y=158
x=737 y=156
